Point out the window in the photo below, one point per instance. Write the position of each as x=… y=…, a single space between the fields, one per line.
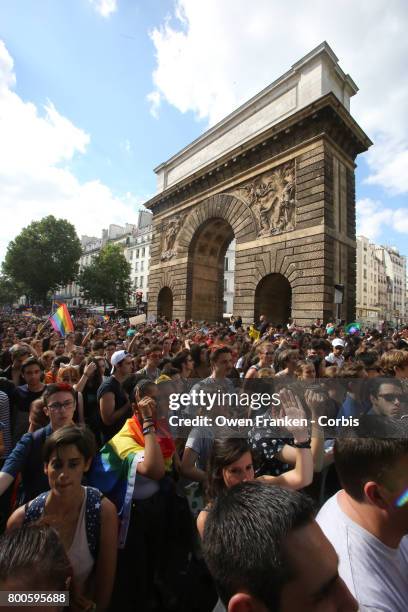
x=226 y=264
x=142 y=265
x=365 y=274
x=141 y=281
x=131 y=255
x=365 y=287
x=225 y=284
x=225 y=305
x=136 y=266
x=136 y=281
x=137 y=253
x=143 y=252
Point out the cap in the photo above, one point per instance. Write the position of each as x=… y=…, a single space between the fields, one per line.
x=117 y=358
x=338 y=342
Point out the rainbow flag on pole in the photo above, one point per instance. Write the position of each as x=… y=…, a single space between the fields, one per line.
x=61 y=320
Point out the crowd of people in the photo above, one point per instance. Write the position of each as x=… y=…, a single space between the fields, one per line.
x=299 y=502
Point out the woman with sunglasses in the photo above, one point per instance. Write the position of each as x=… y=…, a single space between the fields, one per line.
x=265 y=353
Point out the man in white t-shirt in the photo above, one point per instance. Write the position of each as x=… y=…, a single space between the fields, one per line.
x=336 y=357
x=367 y=521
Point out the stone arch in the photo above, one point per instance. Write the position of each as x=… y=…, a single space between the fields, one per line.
x=222 y=206
x=165 y=302
x=273 y=298
x=276 y=259
x=205 y=271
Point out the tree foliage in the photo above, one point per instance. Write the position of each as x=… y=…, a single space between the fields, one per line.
x=107 y=279
x=9 y=291
x=43 y=257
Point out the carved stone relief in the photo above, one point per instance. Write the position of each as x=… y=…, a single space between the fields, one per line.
x=271 y=196
x=169 y=233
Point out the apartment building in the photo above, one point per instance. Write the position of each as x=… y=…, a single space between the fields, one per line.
x=381 y=284
x=136 y=240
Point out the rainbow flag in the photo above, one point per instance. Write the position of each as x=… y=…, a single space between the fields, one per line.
x=114 y=469
x=61 y=320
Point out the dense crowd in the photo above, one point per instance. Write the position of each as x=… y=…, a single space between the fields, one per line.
x=297 y=503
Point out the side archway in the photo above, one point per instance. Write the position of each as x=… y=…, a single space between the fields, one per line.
x=165 y=303
x=273 y=298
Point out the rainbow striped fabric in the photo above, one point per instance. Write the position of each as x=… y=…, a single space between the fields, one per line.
x=61 y=320
x=114 y=469
x=113 y=472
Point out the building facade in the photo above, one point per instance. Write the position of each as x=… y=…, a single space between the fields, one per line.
x=229 y=280
x=381 y=284
x=276 y=175
x=135 y=238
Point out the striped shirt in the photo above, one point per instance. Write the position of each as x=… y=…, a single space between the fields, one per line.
x=5 y=420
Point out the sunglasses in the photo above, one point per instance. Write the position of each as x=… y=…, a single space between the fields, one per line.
x=391 y=397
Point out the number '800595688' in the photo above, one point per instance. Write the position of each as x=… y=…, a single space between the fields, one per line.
x=36 y=598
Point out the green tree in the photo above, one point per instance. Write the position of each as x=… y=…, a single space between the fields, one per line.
x=107 y=279
x=43 y=257
x=9 y=292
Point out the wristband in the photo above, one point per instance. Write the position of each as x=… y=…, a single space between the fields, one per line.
x=305 y=444
x=148 y=430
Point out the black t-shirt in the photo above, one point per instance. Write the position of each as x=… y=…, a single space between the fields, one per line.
x=23 y=397
x=22 y=401
x=113 y=386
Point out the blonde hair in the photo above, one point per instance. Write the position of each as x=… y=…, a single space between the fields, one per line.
x=71 y=370
x=392 y=360
x=266 y=373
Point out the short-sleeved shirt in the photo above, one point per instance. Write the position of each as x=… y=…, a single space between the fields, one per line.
x=26 y=457
x=201 y=440
x=265 y=448
x=353 y=408
x=22 y=400
x=209 y=385
x=113 y=386
x=376 y=574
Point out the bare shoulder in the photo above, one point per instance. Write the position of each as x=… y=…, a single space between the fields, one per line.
x=108 y=510
x=201 y=519
x=17 y=518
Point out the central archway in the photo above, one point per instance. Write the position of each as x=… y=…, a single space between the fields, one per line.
x=205 y=287
x=273 y=298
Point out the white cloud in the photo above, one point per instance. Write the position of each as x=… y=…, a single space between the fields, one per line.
x=36 y=147
x=154 y=98
x=126 y=146
x=105 y=8
x=212 y=56
x=373 y=219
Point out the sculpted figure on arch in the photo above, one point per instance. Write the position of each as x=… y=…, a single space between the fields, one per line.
x=170 y=231
x=272 y=198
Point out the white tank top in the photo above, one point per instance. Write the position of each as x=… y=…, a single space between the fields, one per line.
x=79 y=554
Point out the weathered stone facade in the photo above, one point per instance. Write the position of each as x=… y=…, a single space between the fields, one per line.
x=288 y=198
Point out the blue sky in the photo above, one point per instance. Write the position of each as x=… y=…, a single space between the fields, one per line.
x=95 y=93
